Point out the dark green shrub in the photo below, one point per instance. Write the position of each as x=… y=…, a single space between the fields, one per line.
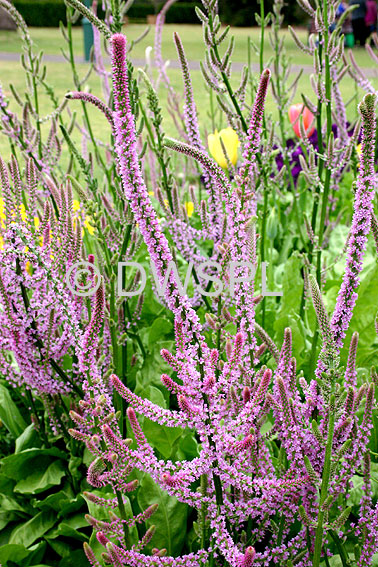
x=242 y=12
x=180 y=13
x=42 y=13
x=48 y=13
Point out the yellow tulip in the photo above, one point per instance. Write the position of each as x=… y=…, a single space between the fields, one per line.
x=88 y=226
x=23 y=213
x=231 y=143
x=75 y=205
x=2 y=213
x=359 y=152
x=28 y=268
x=189 y=208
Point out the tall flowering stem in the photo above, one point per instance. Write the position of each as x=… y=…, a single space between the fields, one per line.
x=347 y=295
x=363 y=208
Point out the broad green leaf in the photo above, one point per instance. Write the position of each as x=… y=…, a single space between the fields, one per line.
x=6 y=518
x=292 y=285
x=28 y=533
x=99 y=512
x=37 y=554
x=19 y=465
x=296 y=326
x=161 y=437
x=9 y=413
x=8 y=504
x=159 y=328
x=335 y=560
x=363 y=320
x=15 y=552
x=6 y=485
x=53 y=501
x=28 y=439
x=40 y=481
x=67 y=531
x=154 y=366
x=133 y=536
x=169 y=519
x=74 y=559
x=188 y=446
x=61 y=547
x=72 y=505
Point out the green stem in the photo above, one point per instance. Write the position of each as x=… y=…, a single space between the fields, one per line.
x=227 y=82
x=203 y=512
x=262 y=34
x=262 y=250
x=325 y=482
x=340 y=548
x=328 y=85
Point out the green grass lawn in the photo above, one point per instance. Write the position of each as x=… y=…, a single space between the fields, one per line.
x=59 y=74
x=51 y=41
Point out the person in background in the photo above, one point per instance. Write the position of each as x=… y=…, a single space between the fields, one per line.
x=371 y=17
x=358 y=21
x=346 y=28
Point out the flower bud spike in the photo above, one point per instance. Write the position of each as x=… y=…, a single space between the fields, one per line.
x=90 y=555
x=249 y=557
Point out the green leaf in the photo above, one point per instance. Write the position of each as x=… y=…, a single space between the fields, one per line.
x=52 y=502
x=19 y=465
x=159 y=328
x=161 y=437
x=154 y=366
x=28 y=439
x=292 y=285
x=64 y=529
x=8 y=504
x=187 y=447
x=14 y=552
x=74 y=559
x=61 y=547
x=28 y=533
x=170 y=518
x=72 y=505
x=99 y=512
x=6 y=485
x=40 y=481
x=363 y=320
x=6 y=518
x=9 y=413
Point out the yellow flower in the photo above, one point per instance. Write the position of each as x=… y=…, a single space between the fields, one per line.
x=231 y=143
x=359 y=152
x=2 y=213
x=1 y=242
x=28 y=268
x=151 y=193
x=88 y=226
x=76 y=205
x=189 y=208
x=36 y=222
x=24 y=216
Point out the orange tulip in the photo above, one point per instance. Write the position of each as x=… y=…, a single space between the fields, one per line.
x=305 y=115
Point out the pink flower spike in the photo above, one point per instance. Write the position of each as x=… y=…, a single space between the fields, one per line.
x=249 y=557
